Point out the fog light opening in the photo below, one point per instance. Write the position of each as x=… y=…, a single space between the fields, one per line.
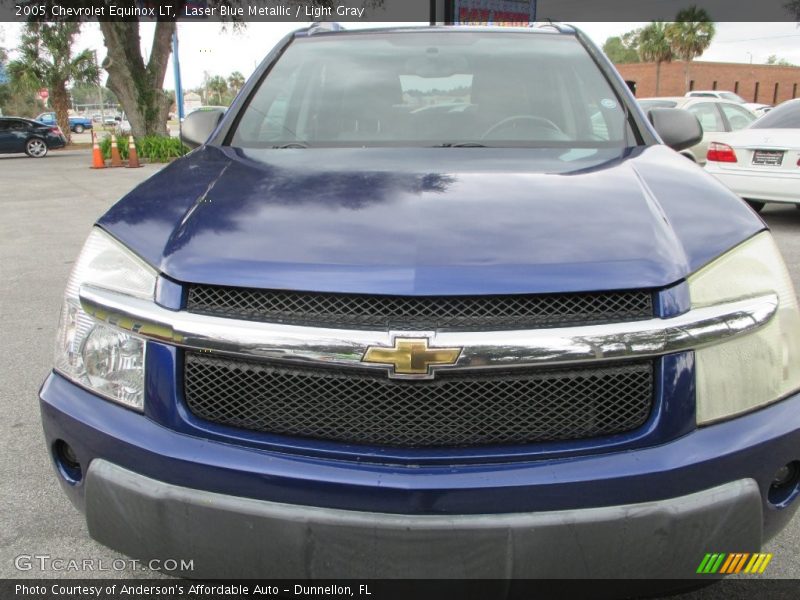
x=67 y=462
x=785 y=485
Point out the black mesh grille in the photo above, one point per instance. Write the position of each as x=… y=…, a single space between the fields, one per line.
x=420 y=312
x=452 y=410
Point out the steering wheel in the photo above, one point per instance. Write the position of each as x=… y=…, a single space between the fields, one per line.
x=539 y=120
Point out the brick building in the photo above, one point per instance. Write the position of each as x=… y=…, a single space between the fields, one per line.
x=769 y=84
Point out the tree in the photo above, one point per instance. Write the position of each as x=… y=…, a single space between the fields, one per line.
x=781 y=62
x=218 y=86
x=235 y=82
x=618 y=52
x=138 y=83
x=690 y=35
x=46 y=60
x=14 y=101
x=654 y=46
x=93 y=94
x=5 y=89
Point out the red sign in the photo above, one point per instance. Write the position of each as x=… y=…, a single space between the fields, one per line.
x=513 y=13
x=43 y=93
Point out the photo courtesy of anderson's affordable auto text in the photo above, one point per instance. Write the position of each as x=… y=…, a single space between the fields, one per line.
x=425 y=299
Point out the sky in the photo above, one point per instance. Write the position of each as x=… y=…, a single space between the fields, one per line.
x=207 y=47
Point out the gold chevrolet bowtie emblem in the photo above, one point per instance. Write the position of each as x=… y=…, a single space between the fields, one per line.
x=411 y=357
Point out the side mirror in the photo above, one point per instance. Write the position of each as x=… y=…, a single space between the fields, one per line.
x=678 y=128
x=199 y=125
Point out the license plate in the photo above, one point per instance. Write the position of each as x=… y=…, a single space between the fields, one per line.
x=768 y=158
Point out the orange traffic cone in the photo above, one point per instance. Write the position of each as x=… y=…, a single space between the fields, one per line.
x=116 y=159
x=133 y=157
x=97 y=156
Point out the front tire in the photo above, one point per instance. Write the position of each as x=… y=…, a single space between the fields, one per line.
x=78 y=129
x=36 y=148
x=755 y=205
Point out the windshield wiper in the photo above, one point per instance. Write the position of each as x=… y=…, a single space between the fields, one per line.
x=461 y=145
x=291 y=145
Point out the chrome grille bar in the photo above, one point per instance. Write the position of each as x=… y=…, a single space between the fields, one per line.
x=696 y=328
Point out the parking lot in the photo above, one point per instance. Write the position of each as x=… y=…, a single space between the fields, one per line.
x=48 y=207
x=85 y=137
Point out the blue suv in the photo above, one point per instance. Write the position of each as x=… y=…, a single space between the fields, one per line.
x=430 y=302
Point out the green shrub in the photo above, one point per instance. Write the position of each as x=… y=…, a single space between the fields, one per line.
x=155 y=148
x=105 y=148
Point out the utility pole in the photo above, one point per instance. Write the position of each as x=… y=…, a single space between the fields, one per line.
x=176 y=63
x=100 y=92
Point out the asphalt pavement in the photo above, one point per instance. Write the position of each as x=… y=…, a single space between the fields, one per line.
x=48 y=207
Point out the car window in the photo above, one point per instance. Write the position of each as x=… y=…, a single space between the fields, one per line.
x=702 y=95
x=738 y=117
x=3 y=125
x=428 y=89
x=706 y=113
x=785 y=116
x=15 y=125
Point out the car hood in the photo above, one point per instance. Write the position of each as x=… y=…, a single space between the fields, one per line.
x=432 y=220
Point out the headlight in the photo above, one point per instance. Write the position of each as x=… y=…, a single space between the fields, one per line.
x=736 y=376
x=97 y=356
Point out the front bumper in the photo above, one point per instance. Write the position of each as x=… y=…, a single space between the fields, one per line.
x=652 y=512
x=232 y=537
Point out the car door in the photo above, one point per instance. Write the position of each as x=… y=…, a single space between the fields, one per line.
x=711 y=120
x=18 y=131
x=5 y=136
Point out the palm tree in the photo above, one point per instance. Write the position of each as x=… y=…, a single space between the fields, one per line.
x=654 y=46
x=46 y=61
x=690 y=35
x=218 y=86
x=235 y=82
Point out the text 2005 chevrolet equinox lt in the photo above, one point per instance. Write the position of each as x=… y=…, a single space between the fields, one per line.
x=430 y=302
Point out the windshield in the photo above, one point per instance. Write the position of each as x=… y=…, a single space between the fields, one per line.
x=785 y=116
x=433 y=89
x=732 y=97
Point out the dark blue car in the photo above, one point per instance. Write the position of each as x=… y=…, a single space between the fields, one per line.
x=354 y=335
x=31 y=137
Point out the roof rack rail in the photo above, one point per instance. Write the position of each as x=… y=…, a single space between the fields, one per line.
x=324 y=27
x=557 y=25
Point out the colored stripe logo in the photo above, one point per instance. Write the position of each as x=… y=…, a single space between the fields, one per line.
x=737 y=562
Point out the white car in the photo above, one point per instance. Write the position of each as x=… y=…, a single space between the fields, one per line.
x=716 y=118
x=762 y=163
x=756 y=107
x=123 y=126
